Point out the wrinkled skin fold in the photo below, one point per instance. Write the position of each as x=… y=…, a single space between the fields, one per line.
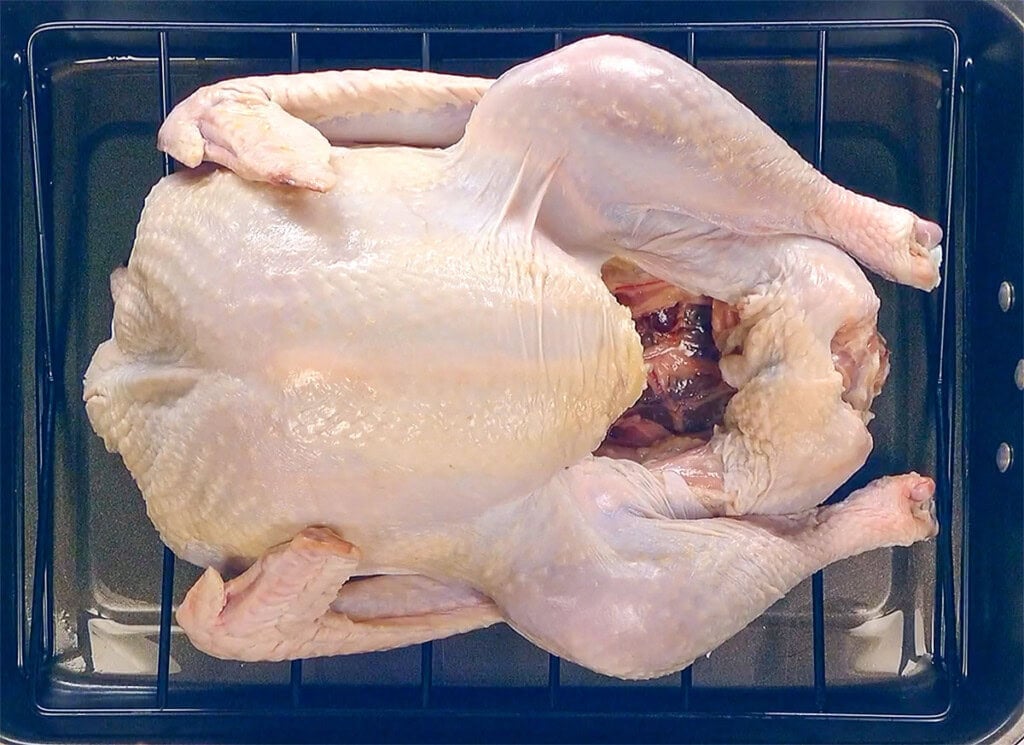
x=363 y=360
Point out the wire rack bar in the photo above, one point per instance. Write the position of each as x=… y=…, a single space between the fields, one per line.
x=426 y=673
x=425 y=51
x=295 y=682
x=41 y=623
x=427 y=648
x=944 y=629
x=554 y=662
x=295 y=668
x=554 y=680
x=967 y=216
x=18 y=525
x=167 y=569
x=686 y=674
x=355 y=28
x=818 y=578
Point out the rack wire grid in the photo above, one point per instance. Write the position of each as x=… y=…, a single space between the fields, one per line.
x=295 y=702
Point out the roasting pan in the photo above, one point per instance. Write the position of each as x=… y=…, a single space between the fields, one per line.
x=918 y=103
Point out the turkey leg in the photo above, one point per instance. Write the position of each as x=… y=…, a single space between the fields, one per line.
x=649 y=146
x=638 y=594
x=643 y=144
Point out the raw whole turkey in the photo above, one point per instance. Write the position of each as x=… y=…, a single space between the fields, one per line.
x=579 y=350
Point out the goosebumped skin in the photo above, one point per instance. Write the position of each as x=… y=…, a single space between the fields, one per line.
x=271 y=344
x=647 y=593
x=400 y=367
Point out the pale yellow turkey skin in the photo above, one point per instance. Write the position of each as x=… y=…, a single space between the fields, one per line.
x=362 y=359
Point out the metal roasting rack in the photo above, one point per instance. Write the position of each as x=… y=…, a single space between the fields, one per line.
x=297 y=706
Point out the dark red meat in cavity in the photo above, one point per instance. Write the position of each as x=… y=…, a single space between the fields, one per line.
x=685 y=395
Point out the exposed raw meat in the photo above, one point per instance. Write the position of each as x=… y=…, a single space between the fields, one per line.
x=685 y=393
x=375 y=375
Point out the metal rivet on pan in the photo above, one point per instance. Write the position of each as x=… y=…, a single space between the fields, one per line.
x=1018 y=375
x=1004 y=457
x=1005 y=296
